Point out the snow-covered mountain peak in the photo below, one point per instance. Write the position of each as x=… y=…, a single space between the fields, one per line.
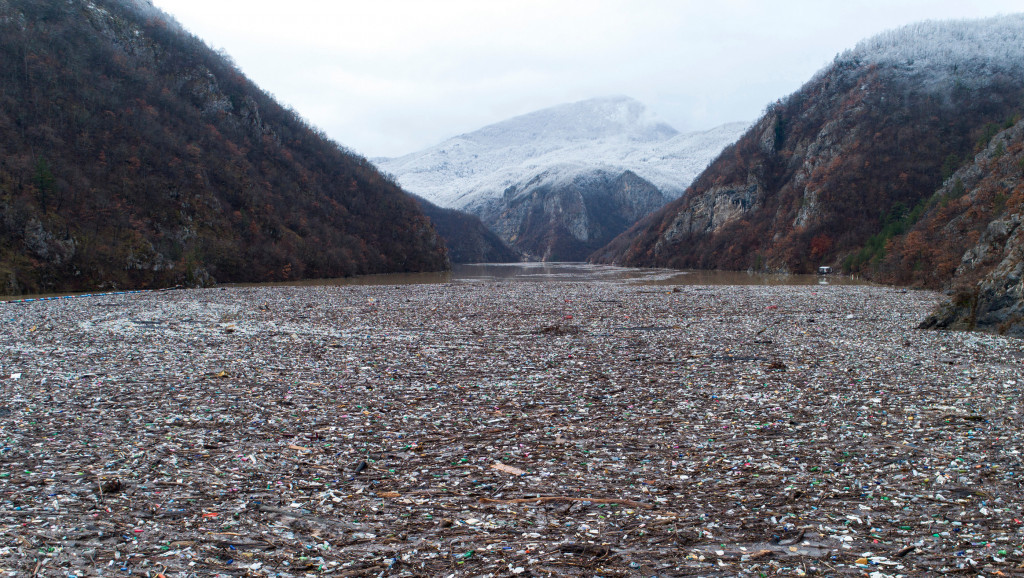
x=597 y=118
x=612 y=133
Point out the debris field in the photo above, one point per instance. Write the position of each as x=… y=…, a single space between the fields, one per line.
x=506 y=429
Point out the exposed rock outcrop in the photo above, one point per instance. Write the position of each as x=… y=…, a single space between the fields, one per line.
x=982 y=213
x=830 y=173
x=552 y=218
x=538 y=180
x=996 y=302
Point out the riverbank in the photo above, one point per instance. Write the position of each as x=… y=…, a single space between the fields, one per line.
x=636 y=430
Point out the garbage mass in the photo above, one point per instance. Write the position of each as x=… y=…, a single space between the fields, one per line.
x=506 y=429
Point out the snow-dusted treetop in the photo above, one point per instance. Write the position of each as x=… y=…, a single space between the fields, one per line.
x=560 y=142
x=962 y=49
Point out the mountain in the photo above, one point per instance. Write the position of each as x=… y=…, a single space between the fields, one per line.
x=969 y=239
x=467 y=238
x=829 y=174
x=132 y=155
x=544 y=181
x=564 y=215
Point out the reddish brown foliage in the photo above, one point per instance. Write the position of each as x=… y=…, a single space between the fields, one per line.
x=156 y=162
x=833 y=165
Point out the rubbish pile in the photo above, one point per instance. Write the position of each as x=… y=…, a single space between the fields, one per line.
x=496 y=429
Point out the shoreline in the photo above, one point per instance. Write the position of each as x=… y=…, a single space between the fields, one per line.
x=506 y=272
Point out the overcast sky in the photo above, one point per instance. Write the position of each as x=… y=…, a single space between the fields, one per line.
x=389 y=77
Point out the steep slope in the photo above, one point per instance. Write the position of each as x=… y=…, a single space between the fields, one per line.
x=594 y=141
x=939 y=245
x=564 y=215
x=823 y=171
x=970 y=239
x=467 y=238
x=132 y=155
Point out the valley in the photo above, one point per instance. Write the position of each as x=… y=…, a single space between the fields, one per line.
x=559 y=183
x=270 y=355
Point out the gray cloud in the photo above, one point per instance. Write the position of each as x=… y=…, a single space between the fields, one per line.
x=388 y=77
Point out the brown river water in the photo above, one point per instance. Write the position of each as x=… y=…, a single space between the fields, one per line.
x=538 y=272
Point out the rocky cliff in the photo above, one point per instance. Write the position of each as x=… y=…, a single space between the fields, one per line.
x=828 y=174
x=970 y=241
x=528 y=178
x=132 y=155
x=554 y=218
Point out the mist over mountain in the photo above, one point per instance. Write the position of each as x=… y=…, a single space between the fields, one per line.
x=133 y=155
x=529 y=178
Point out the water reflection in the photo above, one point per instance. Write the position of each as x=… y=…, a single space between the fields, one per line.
x=582 y=272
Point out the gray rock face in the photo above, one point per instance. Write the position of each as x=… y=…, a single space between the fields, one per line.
x=996 y=303
x=45 y=246
x=989 y=282
x=720 y=205
x=556 y=219
x=707 y=214
x=551 y=167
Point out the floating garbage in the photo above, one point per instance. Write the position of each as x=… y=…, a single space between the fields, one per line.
x=483 y=428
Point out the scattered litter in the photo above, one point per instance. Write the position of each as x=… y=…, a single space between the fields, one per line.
x=367 y=431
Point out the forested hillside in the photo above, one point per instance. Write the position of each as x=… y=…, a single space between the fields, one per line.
x=467 y=238
x=132 y=155
x=831 y=173
x=969 y=237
